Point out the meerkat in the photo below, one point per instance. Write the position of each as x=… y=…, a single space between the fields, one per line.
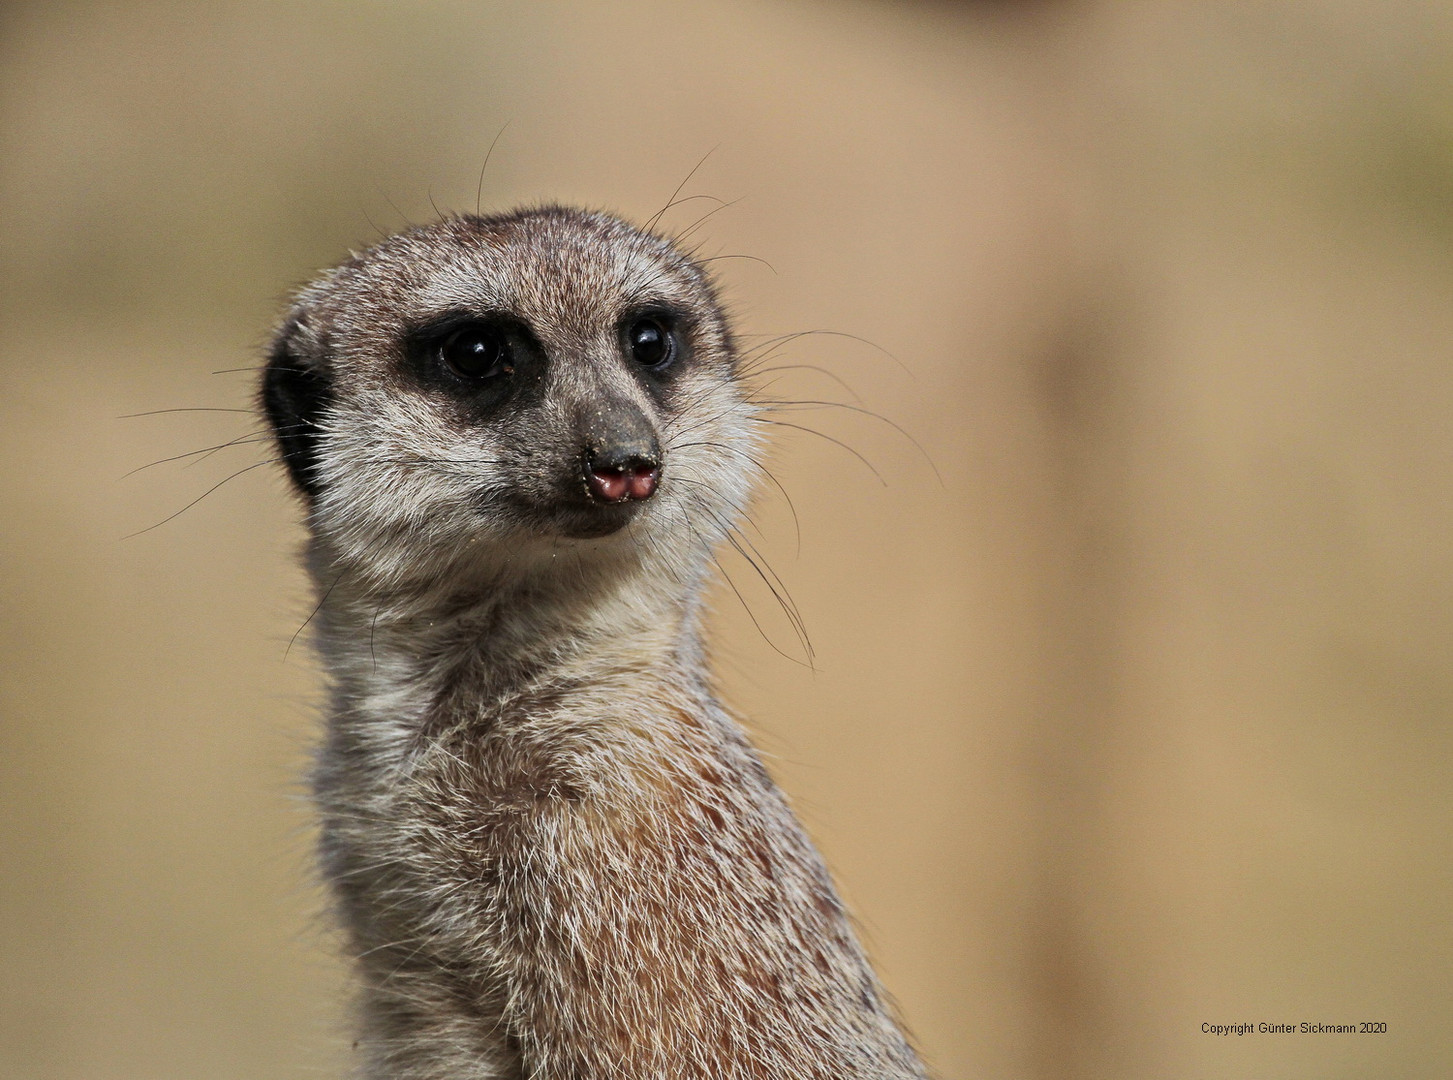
x=553 y=852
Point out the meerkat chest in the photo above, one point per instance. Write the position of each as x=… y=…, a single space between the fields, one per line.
x=640 y=872
x=596 y=793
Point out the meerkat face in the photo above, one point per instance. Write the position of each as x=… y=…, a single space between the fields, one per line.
x=538 y=379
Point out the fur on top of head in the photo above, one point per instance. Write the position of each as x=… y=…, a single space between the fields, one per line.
x=499 y=389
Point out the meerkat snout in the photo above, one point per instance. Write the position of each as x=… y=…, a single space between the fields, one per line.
x=622 y=458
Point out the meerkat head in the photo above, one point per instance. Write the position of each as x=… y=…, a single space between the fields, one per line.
x=507 y=386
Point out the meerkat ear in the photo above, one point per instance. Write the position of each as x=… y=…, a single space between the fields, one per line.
x=294 y=394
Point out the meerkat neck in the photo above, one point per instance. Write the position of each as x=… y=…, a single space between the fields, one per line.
x=498 y=630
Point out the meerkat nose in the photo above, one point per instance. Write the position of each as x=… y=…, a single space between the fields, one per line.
x=621 y=459
x=612 y=483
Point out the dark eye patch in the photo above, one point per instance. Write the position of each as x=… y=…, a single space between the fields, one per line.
x=473 y=358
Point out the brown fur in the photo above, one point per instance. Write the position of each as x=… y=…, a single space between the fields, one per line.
x=554 y=853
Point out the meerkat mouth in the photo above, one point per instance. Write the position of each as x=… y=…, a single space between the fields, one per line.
x=595 y=522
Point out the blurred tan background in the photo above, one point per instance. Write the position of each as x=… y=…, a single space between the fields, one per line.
x=1139 y=720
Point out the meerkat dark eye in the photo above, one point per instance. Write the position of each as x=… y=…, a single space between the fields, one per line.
x=476 y=352
x=650 y=343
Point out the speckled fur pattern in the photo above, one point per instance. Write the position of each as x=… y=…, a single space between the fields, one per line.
x=553 y=853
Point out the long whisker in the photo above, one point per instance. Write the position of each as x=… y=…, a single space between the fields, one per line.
x=479 y=188
x=199 y=498
x=159 y=412
x=242 y=440
x=796 y=524
x=389 y=199
x=784 y=600
x=429 y=462
x=680 y=237
x=374 y=543
x=312 y=614
x=822 y=435
x=680 y=202
x=771 y=406
x=834 y=376
x=706 y=548
x=708 y=488
x=689 y=406
x=777 y=341
x=651 y=224
x=749 y=258
x=773 y=582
